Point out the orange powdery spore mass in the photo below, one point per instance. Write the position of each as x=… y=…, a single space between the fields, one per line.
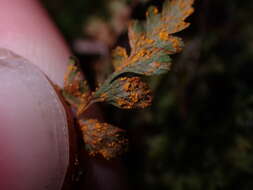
x=72 y=80
x=141 y=55
x=143 y=40
x=71 y=86
x=76 y=91
x=176 y=44
x=155 y=11
x=148 y=41
x=138 y=94
x=120 y=52
x=164 y=35
x=103 y=139
x=119 y=55
x=75 y=88
x=138 y=40
x=178 y=11
x=173 y=16
x=126 y=93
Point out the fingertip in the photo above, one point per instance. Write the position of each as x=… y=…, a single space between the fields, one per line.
x=34 y=139
x=27 y=30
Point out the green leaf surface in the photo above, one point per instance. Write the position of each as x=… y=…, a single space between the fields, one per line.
x=151 y=41
x=151 y=44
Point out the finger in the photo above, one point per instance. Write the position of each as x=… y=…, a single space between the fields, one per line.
x=33 y=130
x=34 y=143
x=26 y=29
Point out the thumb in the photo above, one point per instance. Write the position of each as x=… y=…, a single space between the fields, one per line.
x=34 y=143
x=26 y=29
x=34 y=147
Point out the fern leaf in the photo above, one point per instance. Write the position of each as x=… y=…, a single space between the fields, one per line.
x=103 y=139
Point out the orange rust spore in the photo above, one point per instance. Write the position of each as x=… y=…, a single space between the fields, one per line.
x=138 y=93
x=101 y=138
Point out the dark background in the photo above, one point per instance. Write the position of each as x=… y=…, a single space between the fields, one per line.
x=198 y=132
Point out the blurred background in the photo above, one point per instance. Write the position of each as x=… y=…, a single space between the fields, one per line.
x=198 y=132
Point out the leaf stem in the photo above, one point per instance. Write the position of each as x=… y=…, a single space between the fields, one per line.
x=82 y=108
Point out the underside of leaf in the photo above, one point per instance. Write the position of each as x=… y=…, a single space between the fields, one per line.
x=151 y=44
x=76 y=91
x=103 y=139
x=125 y=93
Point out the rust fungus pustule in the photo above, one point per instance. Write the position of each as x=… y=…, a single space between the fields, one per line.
x=103 y=139
x=137 y=93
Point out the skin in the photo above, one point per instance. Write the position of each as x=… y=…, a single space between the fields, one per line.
x=34 y=131
x=27 y=30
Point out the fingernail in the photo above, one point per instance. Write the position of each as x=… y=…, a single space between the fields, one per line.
x=34 y=139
